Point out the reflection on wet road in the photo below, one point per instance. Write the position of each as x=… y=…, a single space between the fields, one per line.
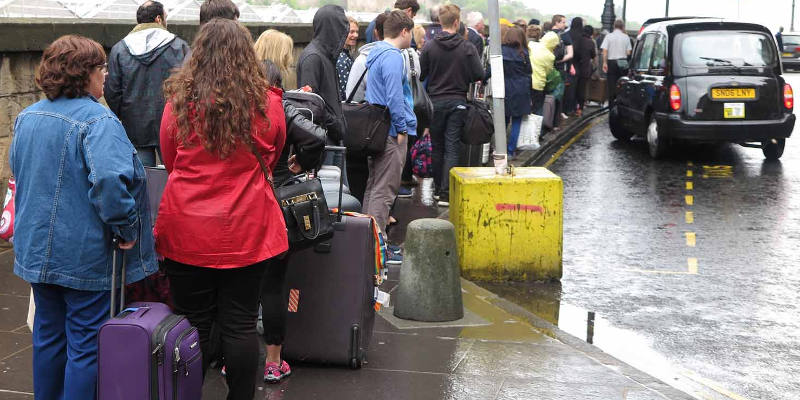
x=690 y=260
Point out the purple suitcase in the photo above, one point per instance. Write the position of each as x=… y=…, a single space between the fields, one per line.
x=147 y=352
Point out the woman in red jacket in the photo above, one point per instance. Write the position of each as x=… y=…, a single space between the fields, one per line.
x=218 y=222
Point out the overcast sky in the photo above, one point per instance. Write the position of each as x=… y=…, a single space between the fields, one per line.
x=770 y=13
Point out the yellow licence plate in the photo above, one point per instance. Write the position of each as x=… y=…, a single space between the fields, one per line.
x=733 y=93
x=788 y=54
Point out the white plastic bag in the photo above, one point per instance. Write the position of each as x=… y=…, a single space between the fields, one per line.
x=31 y=311
x=529 y=132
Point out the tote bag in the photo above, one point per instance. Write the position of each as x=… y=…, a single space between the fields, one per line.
x=529 y=132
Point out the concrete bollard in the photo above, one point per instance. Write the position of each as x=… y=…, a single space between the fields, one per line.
x=430 y=283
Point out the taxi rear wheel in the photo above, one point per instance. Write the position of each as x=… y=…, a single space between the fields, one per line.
x=615 y=125
x=773 y=149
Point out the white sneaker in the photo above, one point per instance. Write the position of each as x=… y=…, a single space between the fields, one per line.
x=564 y=116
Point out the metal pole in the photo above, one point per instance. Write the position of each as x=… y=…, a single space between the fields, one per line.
x=666 y=12
x=791 y=28
x=624 y=8
x=498 y=89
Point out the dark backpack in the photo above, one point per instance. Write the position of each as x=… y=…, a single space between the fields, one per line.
x=310 y=105
x=478 y=126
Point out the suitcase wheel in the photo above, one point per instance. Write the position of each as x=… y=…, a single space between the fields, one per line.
x=355 y=363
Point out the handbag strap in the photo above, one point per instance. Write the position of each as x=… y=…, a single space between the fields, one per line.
x=355 y=89
x=263 y=166
x=411 y=64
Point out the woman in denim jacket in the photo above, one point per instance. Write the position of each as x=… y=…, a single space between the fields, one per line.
x=79 y=184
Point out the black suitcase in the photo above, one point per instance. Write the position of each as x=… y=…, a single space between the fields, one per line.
x=332 y=291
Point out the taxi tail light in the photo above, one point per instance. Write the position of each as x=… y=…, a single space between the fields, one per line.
x=674 y=97
x=797 y=48
x=788 y=96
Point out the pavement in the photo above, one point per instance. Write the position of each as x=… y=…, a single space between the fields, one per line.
x=500 y=350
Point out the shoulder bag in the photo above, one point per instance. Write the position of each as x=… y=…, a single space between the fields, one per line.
x=367 y=125
x=304 y=208
x=423 y=107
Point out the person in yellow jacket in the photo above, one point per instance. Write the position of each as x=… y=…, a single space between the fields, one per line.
x=542 y=59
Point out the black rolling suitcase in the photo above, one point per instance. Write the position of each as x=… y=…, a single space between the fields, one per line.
x=332 y=293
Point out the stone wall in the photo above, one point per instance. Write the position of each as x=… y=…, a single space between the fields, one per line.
x=23 y=40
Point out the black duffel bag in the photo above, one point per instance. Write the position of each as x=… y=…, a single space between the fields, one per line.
x=478 y=126
x=367 y=125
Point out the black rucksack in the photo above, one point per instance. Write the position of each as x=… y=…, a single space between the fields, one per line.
x=478 y=126
x=311 y=105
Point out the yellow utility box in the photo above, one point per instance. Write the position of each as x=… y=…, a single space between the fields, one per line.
x=507 y=227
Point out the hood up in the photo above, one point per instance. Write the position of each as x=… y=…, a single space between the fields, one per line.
x=330 y=30
x=146 y=45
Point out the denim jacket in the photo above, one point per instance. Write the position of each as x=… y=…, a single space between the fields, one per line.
x=79 y=183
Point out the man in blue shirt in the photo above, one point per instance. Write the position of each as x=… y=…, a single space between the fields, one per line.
x=388 y=85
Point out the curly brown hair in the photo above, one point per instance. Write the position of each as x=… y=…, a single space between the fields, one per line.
x=66 y=66
x=219 y=89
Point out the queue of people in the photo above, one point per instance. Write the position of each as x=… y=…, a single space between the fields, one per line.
x=220 y=236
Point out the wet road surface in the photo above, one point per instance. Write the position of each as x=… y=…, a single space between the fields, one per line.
x=689 y=263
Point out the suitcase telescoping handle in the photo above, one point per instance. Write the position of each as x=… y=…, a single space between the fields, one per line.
x=115 y=308
x=343 y=150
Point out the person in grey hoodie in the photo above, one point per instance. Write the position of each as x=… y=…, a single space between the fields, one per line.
x=137 y=67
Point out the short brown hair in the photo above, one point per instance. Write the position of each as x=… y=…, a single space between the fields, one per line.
x=403 y=4
x=619 y=24
x=449 y=14
x=557 y=18
x=379 y=21
x=66 y=66
x=218 y=9
x=395 y=22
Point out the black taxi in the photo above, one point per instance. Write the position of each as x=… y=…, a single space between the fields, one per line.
x=704 y=80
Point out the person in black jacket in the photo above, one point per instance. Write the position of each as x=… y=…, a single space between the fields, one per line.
x=585 y=55
x=449 y=64
x=475 y=25
x=137 y=67
x=316 y=66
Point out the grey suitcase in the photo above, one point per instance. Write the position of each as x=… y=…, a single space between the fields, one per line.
x=156 y=181
x=332 y=289
x=548 y=111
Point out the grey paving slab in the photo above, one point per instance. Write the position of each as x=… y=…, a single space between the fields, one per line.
x=515 y=390
x=416 y=353
x=16 y=371
x=13 y=311
x=12 y=395
x=11 y=343
x=470 y=319
x=11 y=284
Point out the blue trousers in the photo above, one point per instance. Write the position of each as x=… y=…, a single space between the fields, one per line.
x=516 y=124
x=65 y=341
x=147 y=155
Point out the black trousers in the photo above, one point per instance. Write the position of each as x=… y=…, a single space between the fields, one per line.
x=447 y=128
x=613 y=75
x=580 y=92
x=227 y=300
x=357 y=174
x=275 y=301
